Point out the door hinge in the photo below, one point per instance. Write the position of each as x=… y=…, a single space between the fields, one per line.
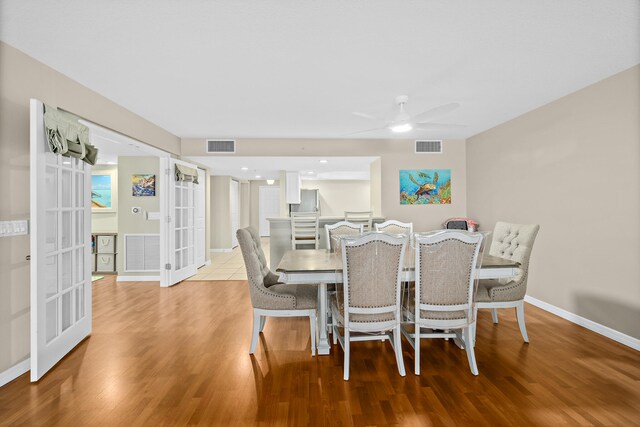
x=167 y=266
x=168 y=218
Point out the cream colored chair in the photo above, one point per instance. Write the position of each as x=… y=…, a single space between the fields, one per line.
x=304 y=229
x=270 y=298
x=365 y=218
x=395 y=227
x=368 y=308
x=442 y=304
x=514 y=242
x=341 y=228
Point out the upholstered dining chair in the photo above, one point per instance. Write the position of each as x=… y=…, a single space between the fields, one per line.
x=368 y=308
x=446 y=263
x=270 y=298
x=514 y=242
x=341 y=228
x=304 y=229
x=365 y=218
x=395 y=227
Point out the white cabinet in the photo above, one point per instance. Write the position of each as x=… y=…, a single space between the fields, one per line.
x=292 y=187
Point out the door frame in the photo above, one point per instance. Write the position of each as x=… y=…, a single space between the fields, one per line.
x=260 y=207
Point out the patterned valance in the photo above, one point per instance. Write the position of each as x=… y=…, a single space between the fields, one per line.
x=67 y=137
x=187 y=174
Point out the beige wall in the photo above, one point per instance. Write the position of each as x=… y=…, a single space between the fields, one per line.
x=394 y=156
x=21 y=78
x=106 y=221
x=245 y=204
x=128 y=222
x=220 y=212
x=337 y=196
x=572 y=166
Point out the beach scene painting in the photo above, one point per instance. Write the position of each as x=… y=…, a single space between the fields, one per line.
x=425 y=187
x=101 y=192
x=143 y=185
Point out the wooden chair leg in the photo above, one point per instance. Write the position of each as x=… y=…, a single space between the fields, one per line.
x=471 y=355
x=494 y=315
x=520 y=316
x=257 y=320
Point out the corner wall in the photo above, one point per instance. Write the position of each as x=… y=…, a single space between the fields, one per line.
x=572 y=166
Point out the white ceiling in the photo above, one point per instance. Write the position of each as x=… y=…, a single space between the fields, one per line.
x=310 y=168
x=299 y=68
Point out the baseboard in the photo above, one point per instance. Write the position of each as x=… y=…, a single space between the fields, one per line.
x=138 y=278
x=220 y=250
x=627 y=340
x=15 y=371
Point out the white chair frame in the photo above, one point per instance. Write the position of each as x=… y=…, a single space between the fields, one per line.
x=329 y=227
x=464 y=329
x=260 y=318
x=305 y=229
x=360 y=217
x=390 y=330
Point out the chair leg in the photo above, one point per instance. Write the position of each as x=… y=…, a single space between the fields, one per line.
x=494 y=315
x=520 y=316
x=263 y=320
x=471 y=354
x=257 y=320
x=416 y=344
x=347 y=349
x=312 y=321
x=475 y=326
x=397 y=347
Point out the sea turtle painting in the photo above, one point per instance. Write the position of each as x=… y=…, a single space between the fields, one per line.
x=425 y=187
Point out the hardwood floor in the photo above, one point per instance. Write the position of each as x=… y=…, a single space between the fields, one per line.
x=180 y=356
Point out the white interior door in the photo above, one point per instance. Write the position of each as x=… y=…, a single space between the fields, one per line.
x=200 y=211
x=235 y=211
x=269 y=207
x=181 y=259
x=60 y=250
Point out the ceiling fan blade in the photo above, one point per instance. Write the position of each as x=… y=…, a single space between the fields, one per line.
x=434 y=112
x=367 y=130
x=431 y=126
x=365 y=115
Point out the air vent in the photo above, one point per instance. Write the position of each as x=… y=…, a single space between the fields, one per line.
x=221 y=146
x=428 y=146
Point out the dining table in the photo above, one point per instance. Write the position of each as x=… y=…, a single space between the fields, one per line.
x=321 y=267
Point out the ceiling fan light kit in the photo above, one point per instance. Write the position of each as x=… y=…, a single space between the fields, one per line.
x=400 y=128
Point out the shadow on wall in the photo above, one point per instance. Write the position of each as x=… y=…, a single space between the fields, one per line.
x=614 y=314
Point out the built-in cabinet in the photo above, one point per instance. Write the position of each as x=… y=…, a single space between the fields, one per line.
x=103 y=252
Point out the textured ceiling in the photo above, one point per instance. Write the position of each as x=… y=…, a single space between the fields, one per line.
x=299 y=68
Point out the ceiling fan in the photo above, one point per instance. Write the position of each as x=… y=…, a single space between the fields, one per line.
x=404 y=122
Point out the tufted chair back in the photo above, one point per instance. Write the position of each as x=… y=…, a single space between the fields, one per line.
x=514 y=241
x=258 y=274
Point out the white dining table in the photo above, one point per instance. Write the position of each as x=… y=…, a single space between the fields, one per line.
x=320 y=267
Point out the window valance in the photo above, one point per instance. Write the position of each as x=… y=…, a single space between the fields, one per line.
x=67 y=137
x=187 y=174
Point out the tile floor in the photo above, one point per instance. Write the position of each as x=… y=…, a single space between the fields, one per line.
x=227 y=265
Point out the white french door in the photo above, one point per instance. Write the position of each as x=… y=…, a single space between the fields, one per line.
x=60 y=250
x=181 y=257
x=200 y=212
x=268 y=207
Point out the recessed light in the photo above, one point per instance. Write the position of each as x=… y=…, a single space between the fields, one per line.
x=244 y=168
x=310 y=172
x=270 y=181
x=258 y=176
x=110 y=163
x=324 y=161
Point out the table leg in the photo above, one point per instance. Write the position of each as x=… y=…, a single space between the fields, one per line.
x=323 y=337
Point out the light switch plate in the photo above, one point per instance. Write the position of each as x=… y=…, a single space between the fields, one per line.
x=14 y=228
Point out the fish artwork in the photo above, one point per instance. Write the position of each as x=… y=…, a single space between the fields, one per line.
x=425 y=187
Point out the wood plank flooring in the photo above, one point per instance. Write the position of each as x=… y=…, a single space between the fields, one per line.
x=179 y=356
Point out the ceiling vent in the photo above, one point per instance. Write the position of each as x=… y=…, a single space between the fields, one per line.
x=429 y=146
x=221 y=146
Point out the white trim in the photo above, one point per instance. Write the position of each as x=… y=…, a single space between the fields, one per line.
x=138 y=278
x=627 y=340
x=15 y=371
x=207 y=262
x=221 y=250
